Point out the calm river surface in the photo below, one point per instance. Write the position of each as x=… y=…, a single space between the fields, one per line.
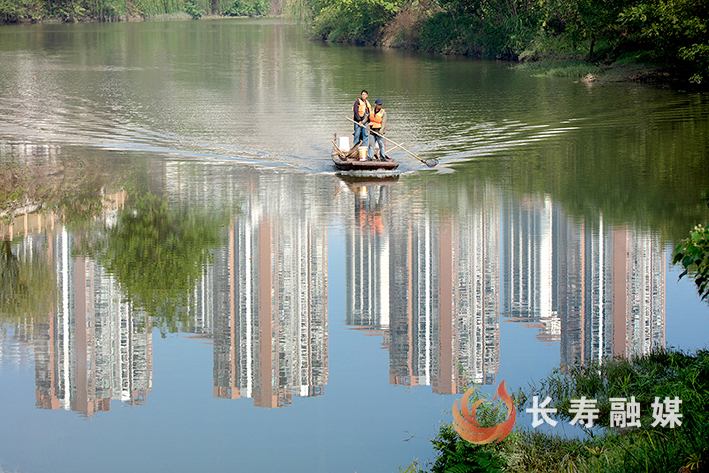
x=203 y=292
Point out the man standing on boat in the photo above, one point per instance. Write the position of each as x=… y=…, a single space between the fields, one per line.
x=378 y=123
x=362 y=108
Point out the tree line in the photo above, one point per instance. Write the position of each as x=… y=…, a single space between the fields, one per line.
x=16 y=11
x=669 y=34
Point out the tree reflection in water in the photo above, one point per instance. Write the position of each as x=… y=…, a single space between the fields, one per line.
x=27 y=286
x=157 y=252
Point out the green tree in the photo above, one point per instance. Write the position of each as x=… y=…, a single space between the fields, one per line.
x=693 y=254
x=673 y=32
x=353 y=21
x=248 y=8
x=14 y=10
x=193 y=9
x=486 y=28
x=584 y=21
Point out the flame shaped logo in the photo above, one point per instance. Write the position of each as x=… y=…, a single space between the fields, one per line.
x=468 y=427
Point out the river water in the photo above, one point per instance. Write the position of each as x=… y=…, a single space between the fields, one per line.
x=201 y=290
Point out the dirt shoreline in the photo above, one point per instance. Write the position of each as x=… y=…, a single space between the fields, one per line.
x=586 y=72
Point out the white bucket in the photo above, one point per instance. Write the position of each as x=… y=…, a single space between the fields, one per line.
x=344 y=144
x=362 y=153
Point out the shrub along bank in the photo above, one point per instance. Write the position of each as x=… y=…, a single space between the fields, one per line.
x=663 y=374
x=667 y=35
x=693 y=254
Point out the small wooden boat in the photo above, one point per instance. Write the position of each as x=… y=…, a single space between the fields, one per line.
x=343 y=163
x=349 y=161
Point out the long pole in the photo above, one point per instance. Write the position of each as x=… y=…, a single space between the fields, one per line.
x=427 y=163
x=338 y=150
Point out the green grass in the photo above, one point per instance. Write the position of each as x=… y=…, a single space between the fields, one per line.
x=665 y=373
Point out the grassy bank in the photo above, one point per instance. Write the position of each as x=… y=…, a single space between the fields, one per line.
x=663 y=374
x=589 y=72
x=70 y=184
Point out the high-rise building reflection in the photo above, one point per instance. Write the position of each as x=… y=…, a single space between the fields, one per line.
x=433 y=278
x=93 y=346
x=367 y=260
x=270 y=319
x=263 y=300
x=434 y=283
x=597 y=289
x=97 y=347
x=430 y=283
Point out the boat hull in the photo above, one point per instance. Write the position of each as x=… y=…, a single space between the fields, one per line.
x=344 y=164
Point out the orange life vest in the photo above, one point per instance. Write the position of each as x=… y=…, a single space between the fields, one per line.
x=364 y=107
x=375 y=119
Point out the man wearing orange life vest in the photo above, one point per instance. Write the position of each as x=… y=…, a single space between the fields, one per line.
x=362 y=108
x=378 y=123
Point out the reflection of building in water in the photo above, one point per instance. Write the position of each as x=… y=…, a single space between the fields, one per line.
x=264 y=299
x=367 y=260
x=599 y=290
x=30 y=153
x=621 y=310
x=28 y=221
x=91 y=346
x=528 y=259
x=435 y=294
x=17 y=352
x=95 y=347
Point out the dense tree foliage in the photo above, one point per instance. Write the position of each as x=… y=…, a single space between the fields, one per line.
x=353 y=21
x=670 y=34
x=111 y=10
x=672 y=31
x=27 y=286
x=248 y=8
x=693 y=254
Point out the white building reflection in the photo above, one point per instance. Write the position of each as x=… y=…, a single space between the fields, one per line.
x=430 y=282
x=263 y=300
x=269 y=298
x=433 y=278
x=93 y=347
x=597 y=289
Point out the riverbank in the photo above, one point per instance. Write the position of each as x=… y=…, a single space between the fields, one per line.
x=588 y=72
x=666 y=446
x=630 y=40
